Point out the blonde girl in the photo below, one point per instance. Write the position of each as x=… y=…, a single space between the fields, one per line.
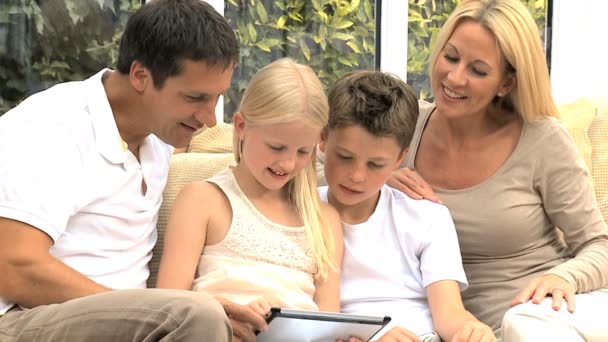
x=257 y=234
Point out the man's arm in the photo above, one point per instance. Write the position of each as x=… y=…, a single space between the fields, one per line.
x=31 y=276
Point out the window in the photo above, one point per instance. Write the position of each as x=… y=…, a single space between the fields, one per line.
x=425 y=19
x=44 y=42
x=333 y=37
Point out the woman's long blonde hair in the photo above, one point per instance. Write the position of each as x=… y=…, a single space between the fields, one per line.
x=520 y=44
x=285 y=91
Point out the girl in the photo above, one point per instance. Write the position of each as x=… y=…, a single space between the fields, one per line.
x=257 y=233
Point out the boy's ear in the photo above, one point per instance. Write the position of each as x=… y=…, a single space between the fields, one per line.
x=323 y=140
x=400 y=159
x=239 y=124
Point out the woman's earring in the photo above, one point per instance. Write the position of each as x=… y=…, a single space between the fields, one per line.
x=499 y=94
x=240 y=147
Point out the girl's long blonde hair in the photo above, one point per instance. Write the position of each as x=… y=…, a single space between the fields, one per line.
x=285 y=91
x=520 y=44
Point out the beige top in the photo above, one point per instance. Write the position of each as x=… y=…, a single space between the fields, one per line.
x=257 y=257
x=506 y=225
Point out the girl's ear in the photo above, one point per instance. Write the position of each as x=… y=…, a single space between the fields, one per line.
x=239 y=124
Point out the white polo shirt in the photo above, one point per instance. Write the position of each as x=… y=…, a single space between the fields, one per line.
x=65 y=170
x=389 y=260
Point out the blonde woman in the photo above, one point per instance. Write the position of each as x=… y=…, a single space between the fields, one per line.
x=257 y=234
x=492 y=150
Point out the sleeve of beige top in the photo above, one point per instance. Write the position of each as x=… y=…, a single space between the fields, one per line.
x=565 y=186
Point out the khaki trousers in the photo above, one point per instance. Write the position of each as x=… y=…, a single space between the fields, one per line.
x=143 y=315
x=539 y=322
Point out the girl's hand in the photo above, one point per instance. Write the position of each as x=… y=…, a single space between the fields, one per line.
x=411 y=184
x=244 y=320
x=549 y=284
x=262 y=305
x=474 y=331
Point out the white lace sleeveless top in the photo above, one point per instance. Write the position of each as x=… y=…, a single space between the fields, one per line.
x=257 y=256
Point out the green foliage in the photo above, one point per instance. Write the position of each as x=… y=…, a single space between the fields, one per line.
x=43 y=42
x=50 y=41
x=332 y=36
x=425 y=19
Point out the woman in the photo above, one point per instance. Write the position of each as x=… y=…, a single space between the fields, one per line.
x=492 y=150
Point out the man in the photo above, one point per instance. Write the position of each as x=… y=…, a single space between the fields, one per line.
x=83 y=167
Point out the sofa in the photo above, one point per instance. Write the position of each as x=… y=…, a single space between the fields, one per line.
x=211 y=151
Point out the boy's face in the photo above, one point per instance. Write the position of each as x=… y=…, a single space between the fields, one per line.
x=357 y=164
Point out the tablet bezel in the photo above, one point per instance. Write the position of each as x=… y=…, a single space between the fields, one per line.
x=366 y=327
x=326 y=316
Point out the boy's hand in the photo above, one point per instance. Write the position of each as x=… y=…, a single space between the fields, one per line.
x=396 y=334
x=399 y=334
x=262 y=305
x=473 y=331
x=411 y=184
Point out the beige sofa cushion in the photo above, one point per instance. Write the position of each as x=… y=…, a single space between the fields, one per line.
x=578 y=117
x=598 y=134
x=587 y=122
x=217 y=139
x=188 y=167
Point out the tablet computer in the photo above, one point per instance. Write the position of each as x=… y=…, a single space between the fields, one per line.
x=318 y=326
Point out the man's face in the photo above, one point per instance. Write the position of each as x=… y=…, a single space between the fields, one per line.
x=186 y=102
x=357 y=164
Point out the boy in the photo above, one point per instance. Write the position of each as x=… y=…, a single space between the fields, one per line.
x=401 y=256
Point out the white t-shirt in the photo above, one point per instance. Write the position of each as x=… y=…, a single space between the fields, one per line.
x=404 y=246
x=66 y=171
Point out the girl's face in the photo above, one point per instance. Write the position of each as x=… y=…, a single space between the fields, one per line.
x=469 y=72
x=274 y=154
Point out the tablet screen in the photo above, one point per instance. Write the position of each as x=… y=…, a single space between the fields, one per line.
x=317 y=326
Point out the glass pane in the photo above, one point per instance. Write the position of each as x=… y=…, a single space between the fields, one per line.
x=44 y=42
x=333 y=37
x=425 y=18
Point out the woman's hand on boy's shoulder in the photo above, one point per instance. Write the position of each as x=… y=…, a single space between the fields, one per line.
x=410 y=183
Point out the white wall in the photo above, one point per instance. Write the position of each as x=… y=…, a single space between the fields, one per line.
x=219 y=108
x=579 y=57
x=393 y=49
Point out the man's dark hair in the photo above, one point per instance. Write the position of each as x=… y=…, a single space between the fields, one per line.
x=381 y=103
x=163 y=33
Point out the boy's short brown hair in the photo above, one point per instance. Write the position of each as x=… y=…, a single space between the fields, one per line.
x=379 y=102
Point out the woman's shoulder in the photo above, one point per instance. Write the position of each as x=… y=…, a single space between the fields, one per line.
x=425 y=107
x=549 y=132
